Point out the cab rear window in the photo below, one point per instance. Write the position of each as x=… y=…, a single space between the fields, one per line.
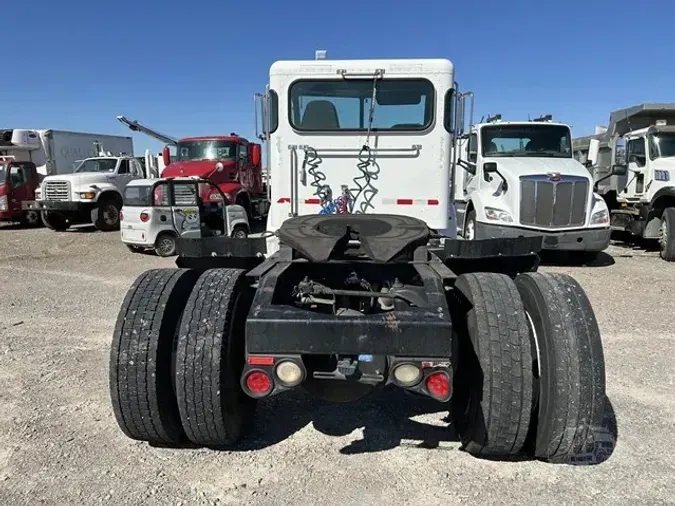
x=138 y=196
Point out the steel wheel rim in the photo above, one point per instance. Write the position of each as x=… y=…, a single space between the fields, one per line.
x=110 y=215
x=32 y=217
x=166 y=245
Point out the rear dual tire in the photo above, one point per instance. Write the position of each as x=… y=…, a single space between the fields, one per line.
x=530 y=372
x=177 y=355
x=213 y=408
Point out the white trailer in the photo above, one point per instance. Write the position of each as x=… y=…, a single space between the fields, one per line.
x=519 y=179
x=633 y=164
x=56 y=151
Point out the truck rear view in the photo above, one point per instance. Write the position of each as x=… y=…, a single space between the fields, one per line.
x=347 y=297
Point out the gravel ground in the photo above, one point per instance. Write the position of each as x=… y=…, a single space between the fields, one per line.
x=59 y=443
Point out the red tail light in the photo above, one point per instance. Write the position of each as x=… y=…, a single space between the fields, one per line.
x=258 y=383
x=145 y=217
x=121 y=216
x=438 y=385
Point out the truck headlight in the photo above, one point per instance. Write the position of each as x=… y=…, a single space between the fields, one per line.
x=87 y=195
x=600 y=217
x=3 y=203
x=494 y=214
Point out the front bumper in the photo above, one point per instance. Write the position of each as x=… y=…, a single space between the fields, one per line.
x=51 y=205
x=593 y=239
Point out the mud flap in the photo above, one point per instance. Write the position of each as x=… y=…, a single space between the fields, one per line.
x=509 y=256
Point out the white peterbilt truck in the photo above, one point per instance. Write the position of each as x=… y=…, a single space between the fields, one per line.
x=519 y=179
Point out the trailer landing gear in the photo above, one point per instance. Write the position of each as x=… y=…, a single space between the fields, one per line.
x=354 y=304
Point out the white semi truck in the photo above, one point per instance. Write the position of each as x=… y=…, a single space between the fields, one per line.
x=519 y=179
x=345 y=297
x=633 y=164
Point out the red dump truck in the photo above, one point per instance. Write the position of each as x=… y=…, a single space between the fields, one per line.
x=230 y=161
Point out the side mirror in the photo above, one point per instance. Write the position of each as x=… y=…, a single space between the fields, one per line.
x=255 y=154
x=473 y=157
x=588 y=164
x=490 y=167
x=166 y=156
x=619 y=170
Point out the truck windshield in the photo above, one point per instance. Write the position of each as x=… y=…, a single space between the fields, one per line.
x=547 y=141
x=98 y=165
x=332 y=105
x=661 y=145
x=206 y=150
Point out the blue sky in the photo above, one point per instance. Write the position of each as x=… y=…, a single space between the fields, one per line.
x=190 y=68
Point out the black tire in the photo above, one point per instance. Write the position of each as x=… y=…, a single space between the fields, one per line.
x=470 y=224
x=165 y=244
x=493 y=380
x=667 y=238
x=210 y=355
x=571 y=401
x=141 y=383
x=240 y=232
x=54 y=221
x=106 y=215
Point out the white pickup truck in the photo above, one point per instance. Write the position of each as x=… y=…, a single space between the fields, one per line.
x=91 y=194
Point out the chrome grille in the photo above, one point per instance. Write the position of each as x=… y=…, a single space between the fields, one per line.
x=553 y=204
x=57 y=190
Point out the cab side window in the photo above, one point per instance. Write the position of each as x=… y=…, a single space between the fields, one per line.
x=124 y=167
x=243 y=153
x=136 y=168
x=472 y=148
x=636 y=152
x=19 y=175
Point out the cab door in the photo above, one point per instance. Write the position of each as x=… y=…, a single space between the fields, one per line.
x=185 y=210
x=23 y=179
x=124 y=174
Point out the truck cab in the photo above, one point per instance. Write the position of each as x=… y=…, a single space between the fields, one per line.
x=91 y=194
x=520 y=179
x=633 y=164
x=18 y=181
x=359 y=137
x=230 y=161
